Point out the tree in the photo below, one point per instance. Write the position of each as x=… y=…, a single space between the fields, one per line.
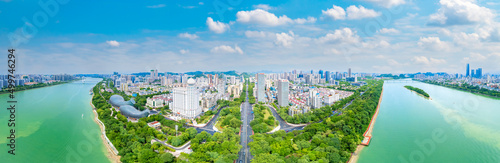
x=147 y=155
x=192 y=132
x=235 y=123
x=176 y=141
x=167 y=157
x=267 y=158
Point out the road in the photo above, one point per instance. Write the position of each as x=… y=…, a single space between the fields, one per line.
x=208 y=128
x=283 y=125
x=246 y=131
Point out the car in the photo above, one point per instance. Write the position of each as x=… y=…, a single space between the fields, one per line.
x=241 y=161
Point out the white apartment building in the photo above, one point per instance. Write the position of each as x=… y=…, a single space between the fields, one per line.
x=186 y=103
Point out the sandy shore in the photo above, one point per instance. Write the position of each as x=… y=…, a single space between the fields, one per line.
x=368 y=132
x=110 y=154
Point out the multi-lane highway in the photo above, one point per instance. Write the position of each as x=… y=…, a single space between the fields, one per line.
x=246 y=131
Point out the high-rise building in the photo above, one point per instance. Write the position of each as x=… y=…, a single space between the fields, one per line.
x=479 y=73
x=467 y=71
x=321 y=74
x=261 y=84
x=315 y=99
x=186 y=101
x=349 y=72
x=283 y=92
x=472 y=73
x=327 y=76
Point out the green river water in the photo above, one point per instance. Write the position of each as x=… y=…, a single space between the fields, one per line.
x=50 y=126
x=453 y=127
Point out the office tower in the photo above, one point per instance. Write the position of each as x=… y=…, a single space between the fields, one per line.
x=479 y=73
x=467 y=71
x=321 y=74
x=327 y=76
x=283 y=92
x=349 y=71
x=472 y=73
x=186 y=101
x=261 y=83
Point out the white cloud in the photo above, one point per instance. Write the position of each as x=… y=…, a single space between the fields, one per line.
x=259 y=16
x=188 y=36
x=427 y=61
x=284 y=39
x=201 y=3
x=303 y=21
x=489 y=32
x=376 y=44
x=433 y=43
x=360 y=12
x=477 y=56
x=393 y=62
x=255 y=34
x=389 y=31
x=387 y=3
x=335 y=13
x=156 y=6
x=183 y=51
x=460 y=12
x=263 y=17
x=345 y=35
x=113 y=43
x=352 y=12
x=227 y=49
x=216 y=26
x=465 y=39
x=332 y=51
x=263 y=7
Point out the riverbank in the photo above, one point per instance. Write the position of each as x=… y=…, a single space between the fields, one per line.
x=463 y=90
x=368 y=133
x=112 y=156
x=4 y=91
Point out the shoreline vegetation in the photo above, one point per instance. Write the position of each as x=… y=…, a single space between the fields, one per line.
x=468 y=88
x=35 y=86
x=418 y=91
x=368 y=133
x=111 y=155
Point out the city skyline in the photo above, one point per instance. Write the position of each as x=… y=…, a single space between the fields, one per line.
x=255 y=36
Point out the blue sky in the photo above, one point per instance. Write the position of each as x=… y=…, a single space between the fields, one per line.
x=375 y=36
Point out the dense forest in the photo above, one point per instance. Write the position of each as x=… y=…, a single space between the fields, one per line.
x=332 y=140
x=418 y=90
x=468 y=88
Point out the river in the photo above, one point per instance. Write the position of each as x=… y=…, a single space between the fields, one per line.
x=454 y=126
x=50 y=126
